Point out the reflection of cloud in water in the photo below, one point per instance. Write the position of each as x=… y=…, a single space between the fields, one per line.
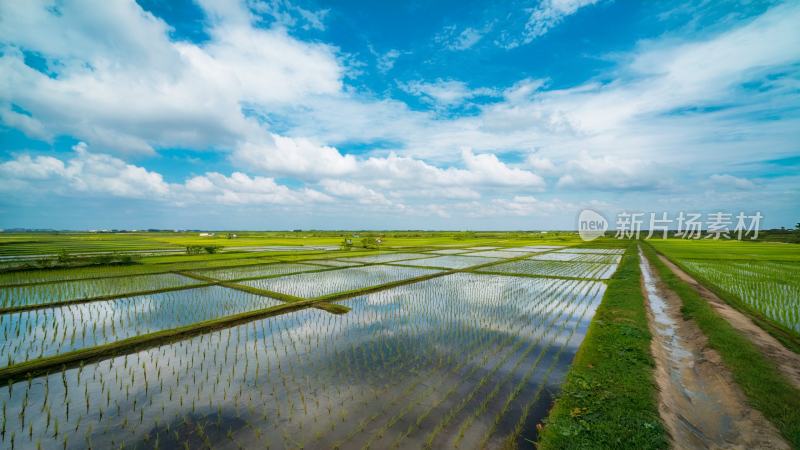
x=399 y=356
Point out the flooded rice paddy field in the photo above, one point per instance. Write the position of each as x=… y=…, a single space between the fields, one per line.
x=554 y=268
x=386 y=257
x=449 y=261
x=771 y=288
x=50 y=331
x=496 y=254
x=235 y=273
x=464 y=359
x=311 y=285
x=81 y=289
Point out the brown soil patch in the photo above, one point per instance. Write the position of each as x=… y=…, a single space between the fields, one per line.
x=787 y=361
x=699 y=402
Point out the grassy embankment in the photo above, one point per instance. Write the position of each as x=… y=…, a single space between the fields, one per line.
x=609 y=397
x=766 y=389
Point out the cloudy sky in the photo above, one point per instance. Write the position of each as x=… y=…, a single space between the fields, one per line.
x=275 y=114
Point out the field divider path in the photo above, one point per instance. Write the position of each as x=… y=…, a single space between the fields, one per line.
x=787 y=361
x=43 y=365
x=618 y=392
x=700 y=402
x=766 y=388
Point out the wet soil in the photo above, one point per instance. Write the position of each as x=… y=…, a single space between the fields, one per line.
x=699 y=402
x=787 y=361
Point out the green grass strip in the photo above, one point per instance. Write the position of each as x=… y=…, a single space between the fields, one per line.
x=766 y=389
x=609 y=398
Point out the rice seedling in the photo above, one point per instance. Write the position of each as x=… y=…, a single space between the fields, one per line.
x=449 y=251
x=772 y=288
x=448 y=262
x=341 y=280
x=579 y=257
x=533 y=248
x=86 y=273
x=45 y=332
x=266 y=270
x=332 y=262
x=566 y=269
x=308 y=374
x=599 y=251
x=86 y=289
x=386 y=257
x=495 y=254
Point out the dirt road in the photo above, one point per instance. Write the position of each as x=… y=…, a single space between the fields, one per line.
x=699 y=402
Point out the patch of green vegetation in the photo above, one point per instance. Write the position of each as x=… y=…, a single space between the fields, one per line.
x=65 y=260
x=609 y=397
x=766 y=389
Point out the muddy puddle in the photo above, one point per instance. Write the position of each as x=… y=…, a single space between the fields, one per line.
x=698 y=400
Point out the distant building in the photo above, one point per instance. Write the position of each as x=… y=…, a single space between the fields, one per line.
x=206 y=234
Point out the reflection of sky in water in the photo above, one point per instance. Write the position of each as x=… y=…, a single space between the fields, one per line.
x=333 y=262
x=579 y=257
x=533 y=248
x=555 y=268
x=601 y=251
x=402 y=359
x=73 y=290
x=50 y=331
x=497 y=254
x=256 y=271
x=449 y=251
x=385 y=257
x=347 y=279
x=450 y=262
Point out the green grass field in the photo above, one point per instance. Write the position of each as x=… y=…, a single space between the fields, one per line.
x=23 y=244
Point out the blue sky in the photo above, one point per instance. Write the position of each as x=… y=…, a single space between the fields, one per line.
x=264 y=114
